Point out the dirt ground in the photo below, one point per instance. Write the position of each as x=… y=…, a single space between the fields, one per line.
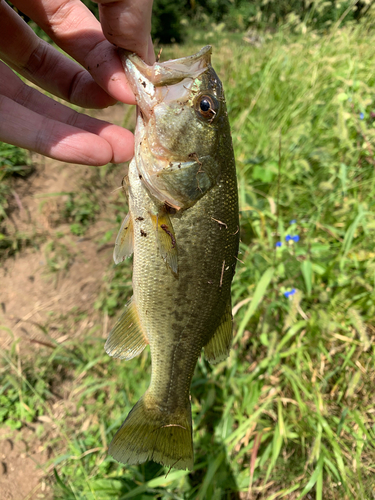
x=29 y=292
x=22 y=475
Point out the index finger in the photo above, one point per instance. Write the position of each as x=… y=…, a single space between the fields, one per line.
x=76 y=30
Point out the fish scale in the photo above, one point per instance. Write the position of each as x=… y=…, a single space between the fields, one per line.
x=184 y=234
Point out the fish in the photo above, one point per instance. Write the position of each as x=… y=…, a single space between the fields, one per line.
x=183 y=231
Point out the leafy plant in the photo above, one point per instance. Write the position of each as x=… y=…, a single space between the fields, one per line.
x=166 y=21
x=116 y=291
x=14 y=162
x=81 y=210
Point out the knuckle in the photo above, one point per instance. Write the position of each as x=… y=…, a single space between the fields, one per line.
x=73 y=118
x=23 y=95
x=40 y=137
x=37 y=59
x=3 y=102
x=76 y=86
x=64 y=15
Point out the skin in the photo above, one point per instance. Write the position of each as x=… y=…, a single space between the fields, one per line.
x=34 y=121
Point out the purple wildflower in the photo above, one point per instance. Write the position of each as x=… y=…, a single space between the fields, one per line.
x=289 y=293
x=278 y=244
x=361 y=116
x=295 y=238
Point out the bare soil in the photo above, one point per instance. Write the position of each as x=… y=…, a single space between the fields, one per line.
x=22 y=471
x=31 y=293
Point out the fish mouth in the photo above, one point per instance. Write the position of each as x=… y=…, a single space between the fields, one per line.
x=154 y=84
x=166 y=73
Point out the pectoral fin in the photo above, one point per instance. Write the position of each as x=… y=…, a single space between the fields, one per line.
x=127 y=339
x=166 y=240
x=217 y=349
x=124 y=241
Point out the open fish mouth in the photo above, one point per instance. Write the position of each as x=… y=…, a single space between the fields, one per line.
x=179 y=103
x=151 y=84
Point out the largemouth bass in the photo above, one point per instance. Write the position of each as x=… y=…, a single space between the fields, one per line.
x=183 y=228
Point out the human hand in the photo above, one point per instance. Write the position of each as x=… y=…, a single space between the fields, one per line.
x=30 y=119
x=127 y=24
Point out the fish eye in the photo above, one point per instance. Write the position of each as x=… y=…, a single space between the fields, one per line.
x=207 y=106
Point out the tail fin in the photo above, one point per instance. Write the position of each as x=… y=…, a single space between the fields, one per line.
x=149 y=434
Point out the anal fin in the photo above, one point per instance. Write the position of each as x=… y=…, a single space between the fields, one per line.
x=124 y=241
x=218 y=347
x=166 y=239
x=126 y=339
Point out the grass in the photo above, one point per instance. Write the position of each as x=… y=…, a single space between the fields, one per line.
x=291 y=413
x=14 y=163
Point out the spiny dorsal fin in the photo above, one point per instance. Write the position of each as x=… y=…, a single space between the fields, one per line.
x=126 y=339
x=166 y=239
x=218 y=347
x=124 y=241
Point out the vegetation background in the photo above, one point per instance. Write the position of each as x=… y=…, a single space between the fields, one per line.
x=291 y=413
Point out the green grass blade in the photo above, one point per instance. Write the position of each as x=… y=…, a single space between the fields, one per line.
x=307 y=273
x=315 y=477
x=260 y=290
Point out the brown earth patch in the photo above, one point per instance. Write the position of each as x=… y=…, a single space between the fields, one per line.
x=32 y=294
x=22 y=470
